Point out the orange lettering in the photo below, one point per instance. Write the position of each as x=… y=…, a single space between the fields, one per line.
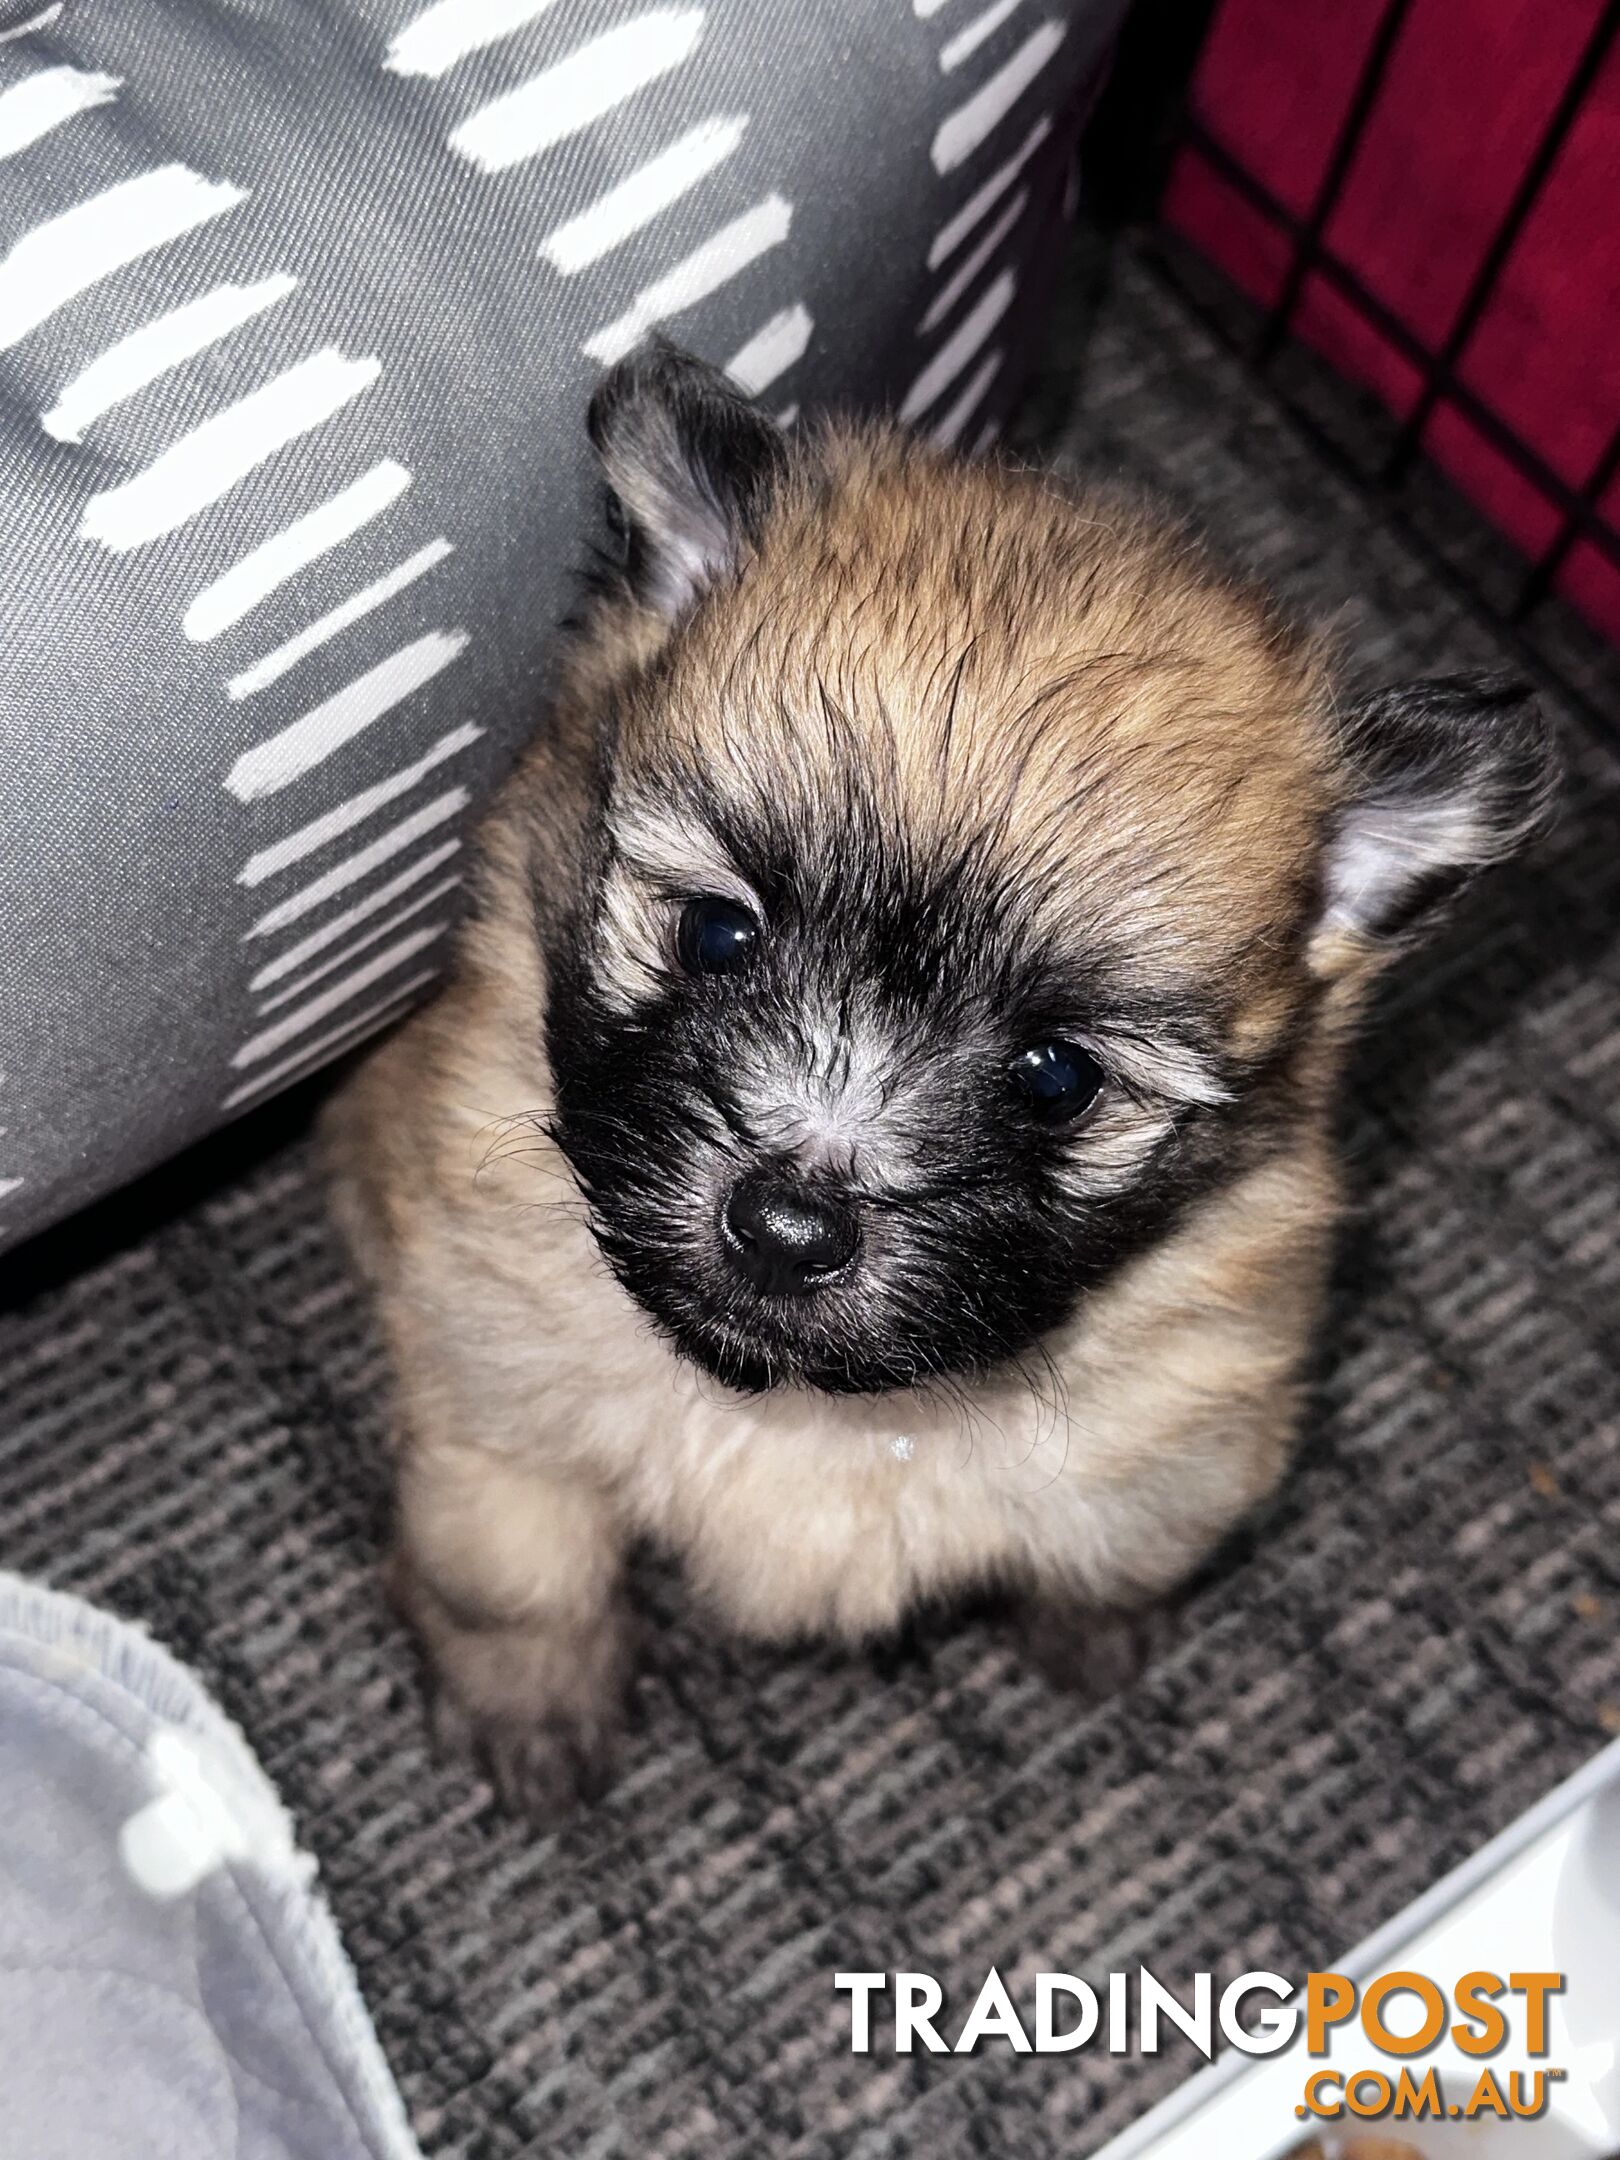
x=1472 y=1989
x=1329 y=1999
x=1535 y=1988
x=1403 y=1983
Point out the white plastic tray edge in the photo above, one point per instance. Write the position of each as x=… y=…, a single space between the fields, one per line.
x=1140 y=2139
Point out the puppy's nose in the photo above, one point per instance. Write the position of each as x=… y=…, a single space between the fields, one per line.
x=784 y=1239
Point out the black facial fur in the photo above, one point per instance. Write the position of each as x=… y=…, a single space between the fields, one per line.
x=973 y=1242
x=847 y=961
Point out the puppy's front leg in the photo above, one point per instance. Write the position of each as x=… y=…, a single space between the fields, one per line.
x=511 y=1573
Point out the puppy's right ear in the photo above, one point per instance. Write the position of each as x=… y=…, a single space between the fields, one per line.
x=1444 y=778
x=693 y=465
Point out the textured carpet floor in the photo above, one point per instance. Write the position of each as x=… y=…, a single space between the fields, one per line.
x=1425 y=1640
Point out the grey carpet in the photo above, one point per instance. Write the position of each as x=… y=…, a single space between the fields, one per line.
x=1423 y=1641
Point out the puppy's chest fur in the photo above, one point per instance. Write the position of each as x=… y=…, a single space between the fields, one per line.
x=1100 y=1467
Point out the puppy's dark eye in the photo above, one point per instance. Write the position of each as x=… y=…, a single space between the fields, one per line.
x=1060 y=1081
x=715 y=937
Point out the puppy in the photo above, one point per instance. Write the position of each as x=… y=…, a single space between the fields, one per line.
x=878 y=1137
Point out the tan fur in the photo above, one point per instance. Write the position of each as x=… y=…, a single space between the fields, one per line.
x=1120 y=710
x=1182 y=736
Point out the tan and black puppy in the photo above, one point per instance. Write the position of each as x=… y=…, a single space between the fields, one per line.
x=878 y=1138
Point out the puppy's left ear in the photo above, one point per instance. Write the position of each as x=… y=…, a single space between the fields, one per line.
x=1445 y=778
x=693 y=465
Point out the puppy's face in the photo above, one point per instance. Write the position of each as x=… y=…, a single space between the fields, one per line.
x=975 y=881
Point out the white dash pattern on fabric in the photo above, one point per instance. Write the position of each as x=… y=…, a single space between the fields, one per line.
x=41 y=21
x=266 y=568
x=774 y=347
x=361 y=864
x=353 y=1031
x=318 y=734
x=950 y=292
x=956 y=417
x=328 y=934
x=433 y=42
x=961 y=132
x=964 y=342
x=577 y=90
x=211 y=458
x=269 y=1040
x=642 y=195
x=396 y=921
x=67 y=255
x=972 y=35
x=723 y=256
x=54 y=262
x=336 y=620
x=40 y=103
x=156 y=348
x=344 y=816
x=979 y=204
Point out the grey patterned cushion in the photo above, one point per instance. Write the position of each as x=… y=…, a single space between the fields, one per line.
x=300 y=304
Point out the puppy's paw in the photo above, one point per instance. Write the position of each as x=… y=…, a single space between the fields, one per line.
x=1094 y=1652
x=543 y=1767
x=540 y=1706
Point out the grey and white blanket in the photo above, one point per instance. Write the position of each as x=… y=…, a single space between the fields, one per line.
x=170 y=1984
